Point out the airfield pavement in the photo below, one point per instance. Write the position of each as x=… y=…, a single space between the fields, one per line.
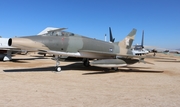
x=30 y=81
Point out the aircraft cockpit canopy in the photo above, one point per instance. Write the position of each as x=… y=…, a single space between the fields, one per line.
x=59 y=32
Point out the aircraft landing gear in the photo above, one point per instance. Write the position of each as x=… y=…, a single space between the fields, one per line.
x=115 y=68
x=58 y=68
x=86 y=62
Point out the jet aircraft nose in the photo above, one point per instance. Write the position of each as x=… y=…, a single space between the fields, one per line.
x=10 y=42
x=26 y=43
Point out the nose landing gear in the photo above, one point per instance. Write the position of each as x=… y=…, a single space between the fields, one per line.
x=57 y=68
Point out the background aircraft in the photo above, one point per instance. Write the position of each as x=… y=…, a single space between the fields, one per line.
x=140 y=49
x=174 y=51
x=111 y=36
x=5 y=50
x=63 y=43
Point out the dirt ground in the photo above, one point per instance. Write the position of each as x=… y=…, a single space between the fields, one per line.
x=30 y=81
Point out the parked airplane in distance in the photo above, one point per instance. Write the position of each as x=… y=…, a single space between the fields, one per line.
x=176 y=51
x=139 y=49
x=6 y=51
x=111 y=36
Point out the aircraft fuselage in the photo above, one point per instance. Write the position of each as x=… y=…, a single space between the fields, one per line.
x=73 y=43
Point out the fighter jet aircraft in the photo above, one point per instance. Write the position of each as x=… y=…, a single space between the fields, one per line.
x=63 y=43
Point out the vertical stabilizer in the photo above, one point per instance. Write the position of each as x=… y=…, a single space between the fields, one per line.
x=111 y=36
x=142 y=42
x=127 y=42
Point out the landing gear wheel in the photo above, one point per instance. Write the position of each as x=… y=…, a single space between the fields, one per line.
x=86 y=62
x=114 y=68
x=58 y=69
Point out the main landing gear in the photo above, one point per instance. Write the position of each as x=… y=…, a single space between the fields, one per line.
x=86 y=62
x=58 y=68
x=114 y=68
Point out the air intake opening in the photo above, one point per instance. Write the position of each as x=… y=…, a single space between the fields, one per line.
x=10 y=42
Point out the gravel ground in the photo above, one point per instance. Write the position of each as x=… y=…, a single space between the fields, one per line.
x=29 y=81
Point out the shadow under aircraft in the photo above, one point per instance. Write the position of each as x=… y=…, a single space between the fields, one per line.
x=79 y=67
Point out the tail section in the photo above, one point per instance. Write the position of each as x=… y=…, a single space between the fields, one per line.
x=111 y=36
x=126 y=44
x=142 y=42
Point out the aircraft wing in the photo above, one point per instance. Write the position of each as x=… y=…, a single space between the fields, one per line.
x=97 y=52
x=59 y=53
x=129 y=56
x=81 y=53
x=144 y=56
x=94 y=54
x=118 y=55
x=107 y=57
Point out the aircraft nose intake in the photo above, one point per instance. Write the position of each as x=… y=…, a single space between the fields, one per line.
x=10 y=42
x=25 y=43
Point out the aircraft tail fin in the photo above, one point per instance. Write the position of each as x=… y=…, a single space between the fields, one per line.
x=111 y=36
x=142 y=42
x=127 y=42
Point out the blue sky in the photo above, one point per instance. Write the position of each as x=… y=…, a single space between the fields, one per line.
x=160 y=19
